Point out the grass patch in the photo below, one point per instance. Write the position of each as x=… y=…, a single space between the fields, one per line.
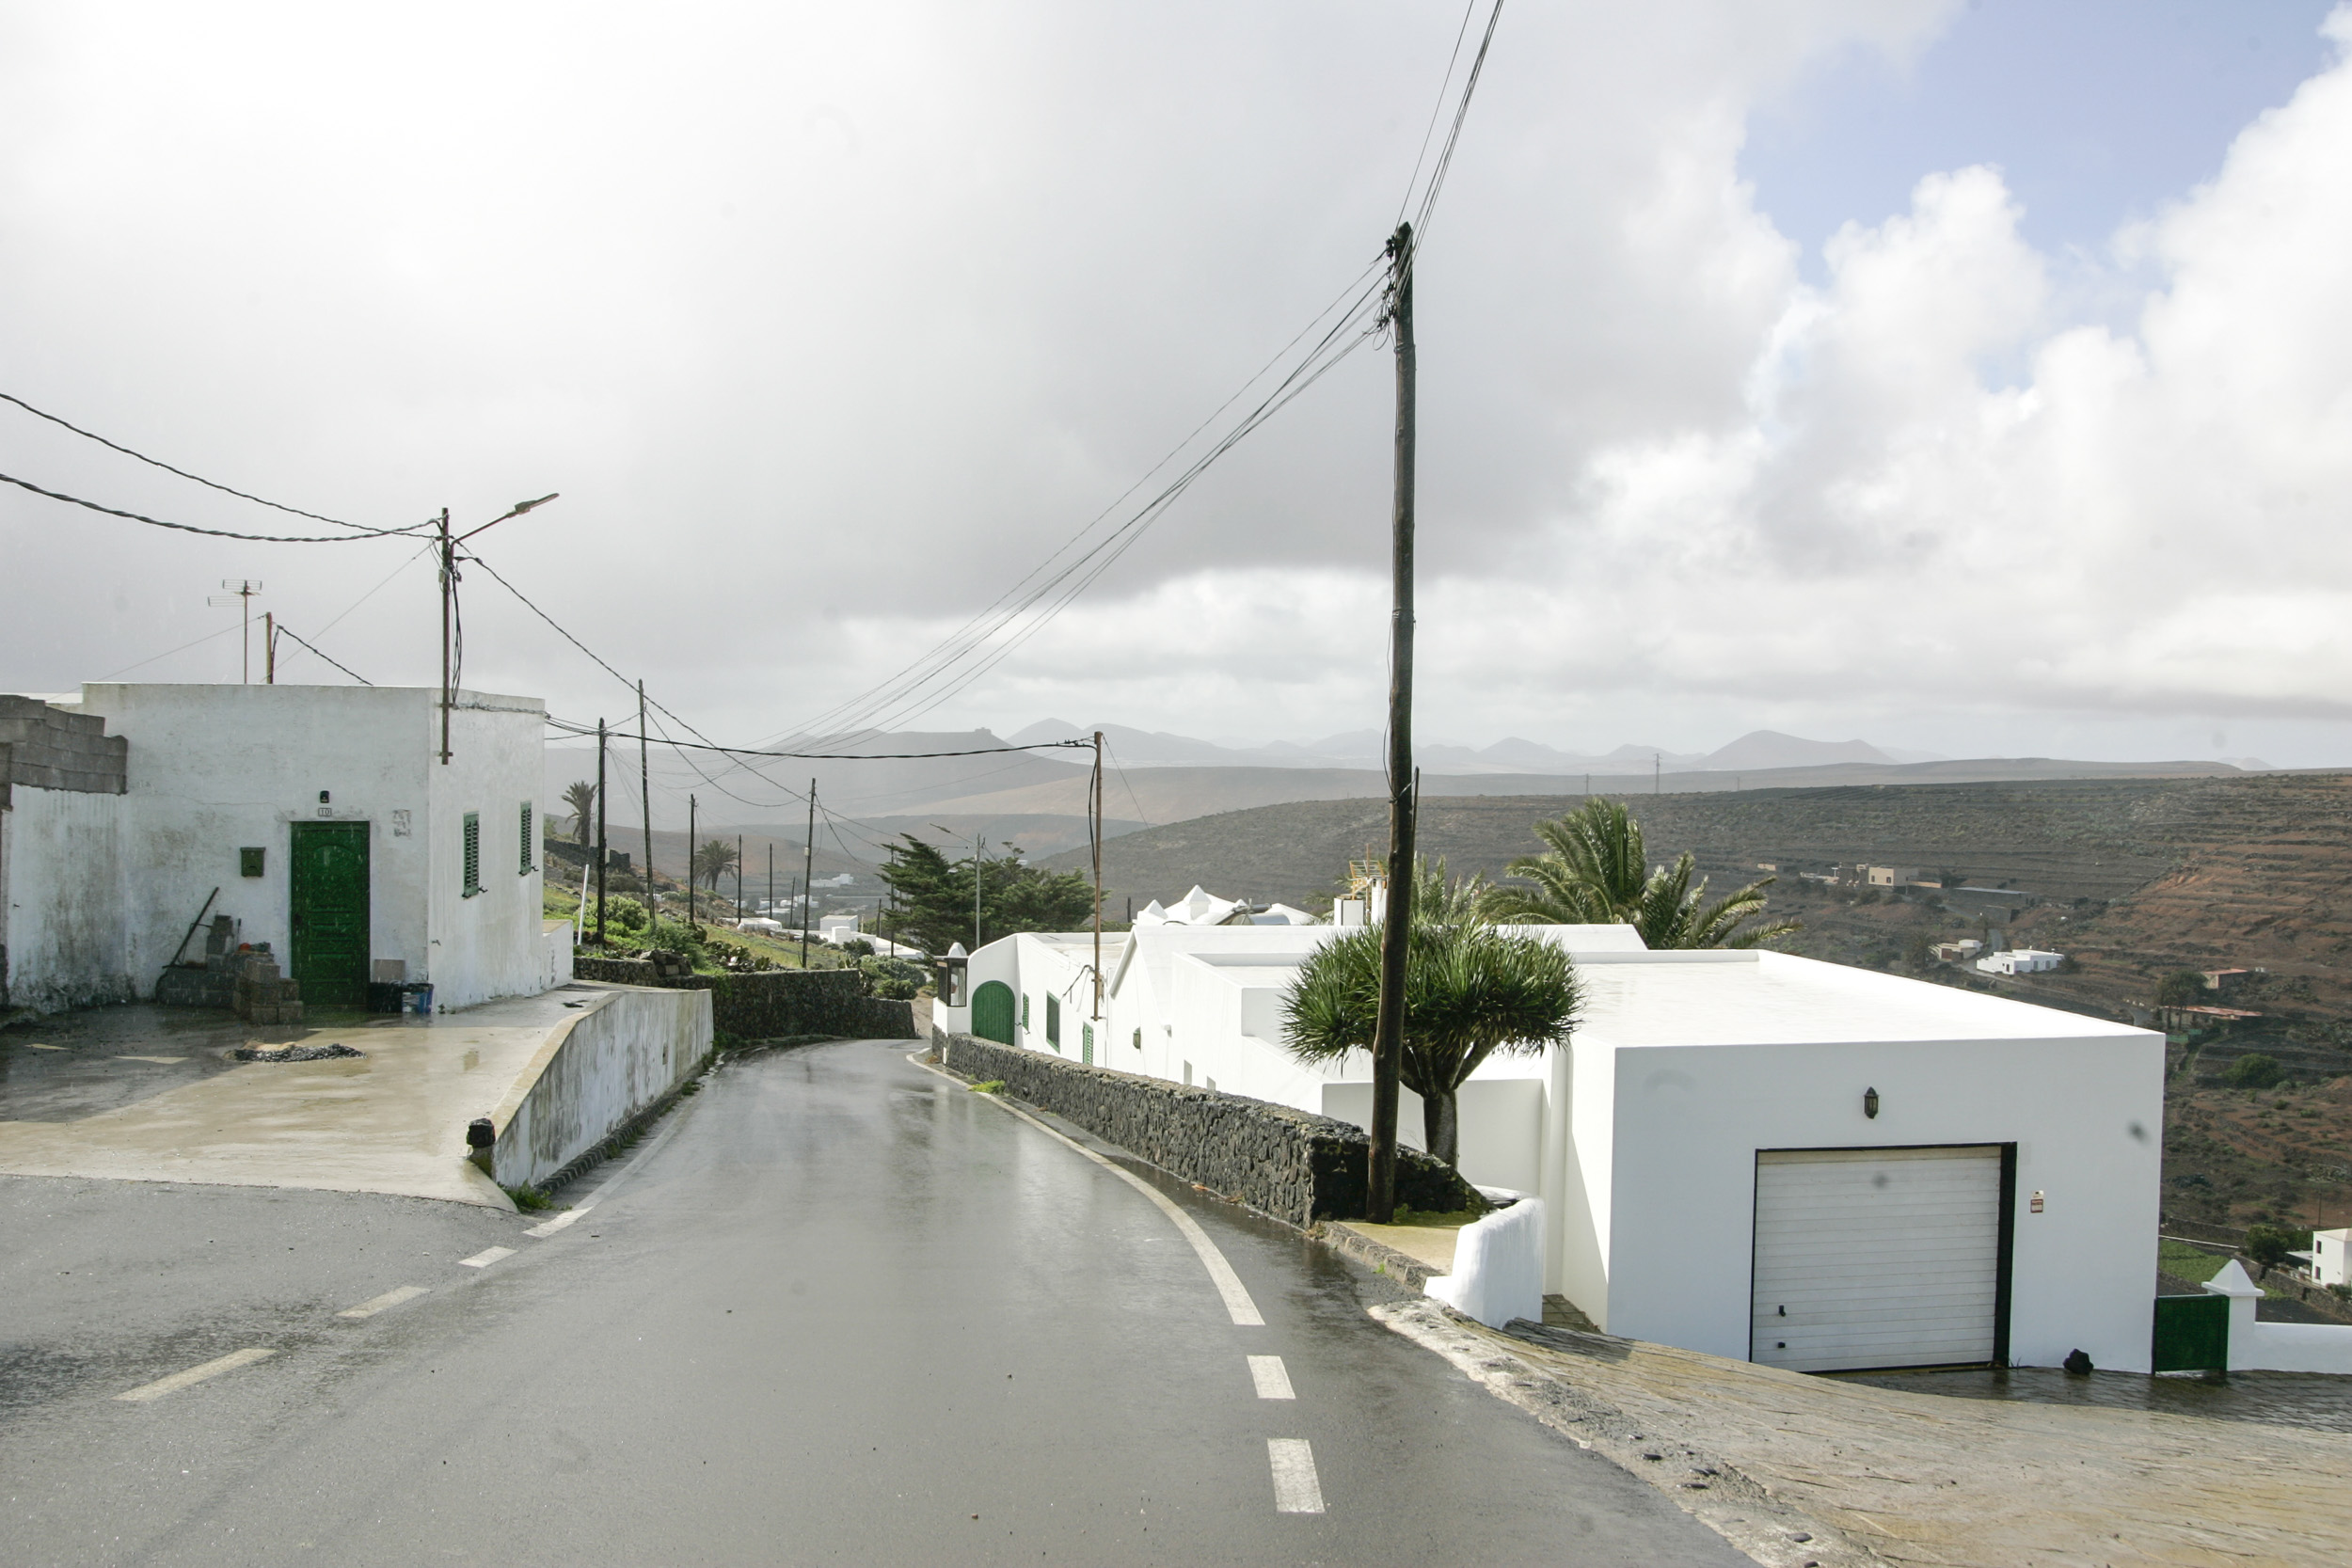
x=992 y=1085
x=1421 y=1216
x=2182 y=1261
x=529 y=1198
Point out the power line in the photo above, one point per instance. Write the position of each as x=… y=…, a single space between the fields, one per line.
x=158 y=463
x=283 y=630
x=1435 y=109
x=572 y=727
x=213 y=532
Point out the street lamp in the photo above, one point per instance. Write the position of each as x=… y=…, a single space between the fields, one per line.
x=448 y=611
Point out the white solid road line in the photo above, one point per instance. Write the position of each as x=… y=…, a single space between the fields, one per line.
x=1272 y=1378
x=1237 y=1302
x=1296 y=1488
x=559 y=1222
x=178 y=1381
x=162 y=1061
x=483 y=1260
x=370 y=1307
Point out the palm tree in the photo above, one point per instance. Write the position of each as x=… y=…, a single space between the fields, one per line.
x=1470 y=990
x=582 y=797
x=713 y=860
x=1439 y=900
x=1594 y=873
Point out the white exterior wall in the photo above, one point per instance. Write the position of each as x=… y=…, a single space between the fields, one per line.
x=61 y=890
x=216 y=769
x=1640 y=1138
x=487 y=945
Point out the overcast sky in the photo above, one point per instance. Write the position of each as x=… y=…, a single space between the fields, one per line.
x=1973 y=378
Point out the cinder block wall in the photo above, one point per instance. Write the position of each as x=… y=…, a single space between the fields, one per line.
x=1286 y=1162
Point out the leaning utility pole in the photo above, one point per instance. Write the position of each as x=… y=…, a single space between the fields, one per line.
x=691 y=847
x=602 y=853
x=1094 y=805
x=1388 y=1040
x=808 y=873
x=644 y=804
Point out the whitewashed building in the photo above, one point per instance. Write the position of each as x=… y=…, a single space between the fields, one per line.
x=2021 y=960
x=1746 y=1153
x=320 y=819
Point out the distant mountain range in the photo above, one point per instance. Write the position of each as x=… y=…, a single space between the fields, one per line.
x=1356 y=749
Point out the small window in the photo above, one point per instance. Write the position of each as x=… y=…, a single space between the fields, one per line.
x=527 y=867
x=249 y=863
x=1024 y=1012
x=1138 y=1039
x=473 y=853
x=1052 y=1021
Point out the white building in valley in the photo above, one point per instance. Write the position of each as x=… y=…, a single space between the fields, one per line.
x=321 y=820
x=2021 y=960
x=1741 y=1153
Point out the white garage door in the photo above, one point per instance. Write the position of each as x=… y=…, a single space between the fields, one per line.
x=1876 y=1257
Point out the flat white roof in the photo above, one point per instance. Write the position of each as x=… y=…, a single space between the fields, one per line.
x=1763 y=998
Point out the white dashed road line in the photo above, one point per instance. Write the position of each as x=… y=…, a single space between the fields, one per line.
x=1296 y=1488
x=36 y=1045
x=162 y=1061
x=1238 y=1305
x=483 y=1260
x=559 y=1222
x=370 y=1307
x=1272 y=1378
x=178 y=1381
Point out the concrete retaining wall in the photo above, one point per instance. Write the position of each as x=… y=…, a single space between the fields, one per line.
x=1289 y=1164
x=625 y=1052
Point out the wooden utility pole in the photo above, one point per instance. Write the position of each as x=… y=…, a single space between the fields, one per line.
x=739 y=878
x=808 y=873
x=689 y=860
x=1094 y=806
x=772 y=879
x=1388 y=1040
x=644 y=804
x=269 y=648
x=602 y=855
x=449 y=600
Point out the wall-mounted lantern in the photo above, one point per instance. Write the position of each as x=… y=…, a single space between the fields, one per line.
x=1870 y=1103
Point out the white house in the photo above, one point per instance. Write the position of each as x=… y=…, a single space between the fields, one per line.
x=2328 y=1256
x=1203 y=907
x=1746 y=1153
x=2020 y=961
x=323 y=815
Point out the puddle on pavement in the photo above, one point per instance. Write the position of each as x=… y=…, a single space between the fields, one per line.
x=2318 y=1401
x=69 y=1065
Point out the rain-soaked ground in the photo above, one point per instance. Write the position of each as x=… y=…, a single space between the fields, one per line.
x=67 y=1065
x=2318 y=1401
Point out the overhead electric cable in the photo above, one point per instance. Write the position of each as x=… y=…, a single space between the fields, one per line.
x=212 y=532
x=158 y=463
x=283 y=630
x=1435 y=109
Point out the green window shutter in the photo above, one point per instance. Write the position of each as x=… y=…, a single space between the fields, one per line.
x=473 y=853
x=1052 y=1021
x=1024 y=1012
x=1087 y=1048
x=526 y=868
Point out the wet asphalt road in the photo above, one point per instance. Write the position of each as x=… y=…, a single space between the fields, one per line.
x=837 y=1309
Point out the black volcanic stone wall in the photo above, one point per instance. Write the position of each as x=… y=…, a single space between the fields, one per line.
x=1285 y=1163
x=772 y=1003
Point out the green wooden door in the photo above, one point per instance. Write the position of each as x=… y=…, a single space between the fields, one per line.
x=329 y=909
x=992 y=1012
x=2192 y=1333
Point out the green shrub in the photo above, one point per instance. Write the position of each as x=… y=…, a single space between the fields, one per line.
x=2268 y=1244
x=676 y=935
x=2253 y=1070
x=626 y=914
x=858 y=948
x=893 y=979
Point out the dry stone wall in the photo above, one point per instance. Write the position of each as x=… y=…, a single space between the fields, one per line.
x=1293 y=1165
x=772 y=1003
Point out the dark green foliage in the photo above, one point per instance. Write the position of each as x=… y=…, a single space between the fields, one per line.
x=893 y=979
x=1470 y=991
x=582 y=797
x=713 y=859
x=2183 y=987
x=2268 y=1244
x=2253 y=1070
x=858 y=948
x=1596 y=873
x=934 y=898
